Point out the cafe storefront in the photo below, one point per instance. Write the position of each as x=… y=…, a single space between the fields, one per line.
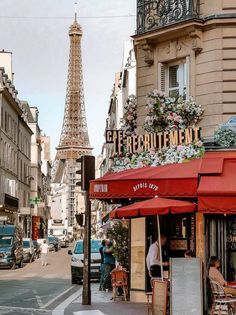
x=209 y=230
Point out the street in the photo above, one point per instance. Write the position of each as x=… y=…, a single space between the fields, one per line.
x=34 y=289
x=39 y=290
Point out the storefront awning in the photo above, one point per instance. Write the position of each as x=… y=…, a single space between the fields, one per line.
x=170 y=181
x=217 y=193
x=154 y=206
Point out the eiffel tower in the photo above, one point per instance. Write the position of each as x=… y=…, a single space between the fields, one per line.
x=74 y=139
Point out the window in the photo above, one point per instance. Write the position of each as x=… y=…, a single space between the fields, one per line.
x=174 y=78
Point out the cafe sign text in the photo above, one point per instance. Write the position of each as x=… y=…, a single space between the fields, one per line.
x=145 y=142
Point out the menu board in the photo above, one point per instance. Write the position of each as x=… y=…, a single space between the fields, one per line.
x=159 y=297
x=186 y=286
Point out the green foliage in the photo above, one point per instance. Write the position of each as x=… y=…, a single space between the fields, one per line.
x=119 y=235
x=225 y=137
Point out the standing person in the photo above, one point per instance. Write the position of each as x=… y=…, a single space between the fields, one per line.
x=44 y=253
x=153 y=258
x=102 y=265
x=109 y=265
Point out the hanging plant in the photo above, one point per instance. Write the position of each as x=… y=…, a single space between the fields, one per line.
x=225 y=137
x=130 y=116
x=170 y=113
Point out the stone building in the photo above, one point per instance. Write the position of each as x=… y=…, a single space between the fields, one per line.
x=188 y=49
x=15 y=140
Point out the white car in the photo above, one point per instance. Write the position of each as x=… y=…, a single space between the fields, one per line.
x=77 y=261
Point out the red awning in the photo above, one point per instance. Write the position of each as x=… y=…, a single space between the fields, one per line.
x=217 y=194
x=174 y=181
x=155 y=206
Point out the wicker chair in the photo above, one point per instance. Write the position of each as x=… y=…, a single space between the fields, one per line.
x=222 y=304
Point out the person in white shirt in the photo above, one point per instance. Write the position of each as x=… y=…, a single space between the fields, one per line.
x=44 y=253
x=153 y=258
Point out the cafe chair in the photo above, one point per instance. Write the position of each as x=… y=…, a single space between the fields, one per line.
x=119 y=282
x=222 y=304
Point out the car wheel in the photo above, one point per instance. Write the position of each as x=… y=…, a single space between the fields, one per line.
x=73 y=280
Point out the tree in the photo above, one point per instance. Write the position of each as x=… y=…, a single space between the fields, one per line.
x=119 y=235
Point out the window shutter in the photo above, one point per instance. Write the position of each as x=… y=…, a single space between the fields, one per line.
x=187 y=77
x=161 y=77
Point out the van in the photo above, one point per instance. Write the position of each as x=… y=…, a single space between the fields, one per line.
x=77 y=261
x=11 y=247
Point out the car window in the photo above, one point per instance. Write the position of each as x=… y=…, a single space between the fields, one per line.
x=94 y=245
x=26 y=244
x=5 y=241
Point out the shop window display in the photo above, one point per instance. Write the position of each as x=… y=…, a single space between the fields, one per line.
x=231 y=249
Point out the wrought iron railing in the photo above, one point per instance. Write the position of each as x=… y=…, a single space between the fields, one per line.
x=153 y=14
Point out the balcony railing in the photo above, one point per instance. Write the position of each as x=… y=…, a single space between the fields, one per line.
x=153 y=14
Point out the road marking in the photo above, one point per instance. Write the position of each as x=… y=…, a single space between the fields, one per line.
x=90 y=312
x=38 y=298
x=57 y=297
x=13 y=308
x=59 y=310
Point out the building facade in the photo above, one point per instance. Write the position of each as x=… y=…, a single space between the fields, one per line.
x=15 y=160
x=188 y=49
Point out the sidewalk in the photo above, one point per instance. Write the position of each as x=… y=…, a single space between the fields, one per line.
x=101 y=303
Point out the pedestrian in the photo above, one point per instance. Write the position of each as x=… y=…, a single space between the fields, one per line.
x=153 y=258
x=109 y=265
x=102 y=265
x=44 y=253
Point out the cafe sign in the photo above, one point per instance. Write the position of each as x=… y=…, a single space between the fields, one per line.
x=160 y=140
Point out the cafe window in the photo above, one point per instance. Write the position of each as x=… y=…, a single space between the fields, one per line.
x=181 y=234
x=174 y=78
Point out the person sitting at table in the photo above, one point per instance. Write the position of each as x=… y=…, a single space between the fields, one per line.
x=153 y=259
x=216 y=275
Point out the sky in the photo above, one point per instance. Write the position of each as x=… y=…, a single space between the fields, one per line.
x=36 y=32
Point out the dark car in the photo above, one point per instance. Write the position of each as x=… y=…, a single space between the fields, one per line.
x=37 y=250
x=28 y=250
x=55 y=242
x=11 y=247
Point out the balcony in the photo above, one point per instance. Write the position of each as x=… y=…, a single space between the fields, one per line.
x=155 y=14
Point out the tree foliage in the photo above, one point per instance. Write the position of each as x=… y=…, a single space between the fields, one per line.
x=119 y=235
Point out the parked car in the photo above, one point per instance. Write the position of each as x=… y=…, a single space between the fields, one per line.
x=53 y=240
x=77 y=261
x=64 y=239
x=11 y=249
x=37 y=250
x=28 y=250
